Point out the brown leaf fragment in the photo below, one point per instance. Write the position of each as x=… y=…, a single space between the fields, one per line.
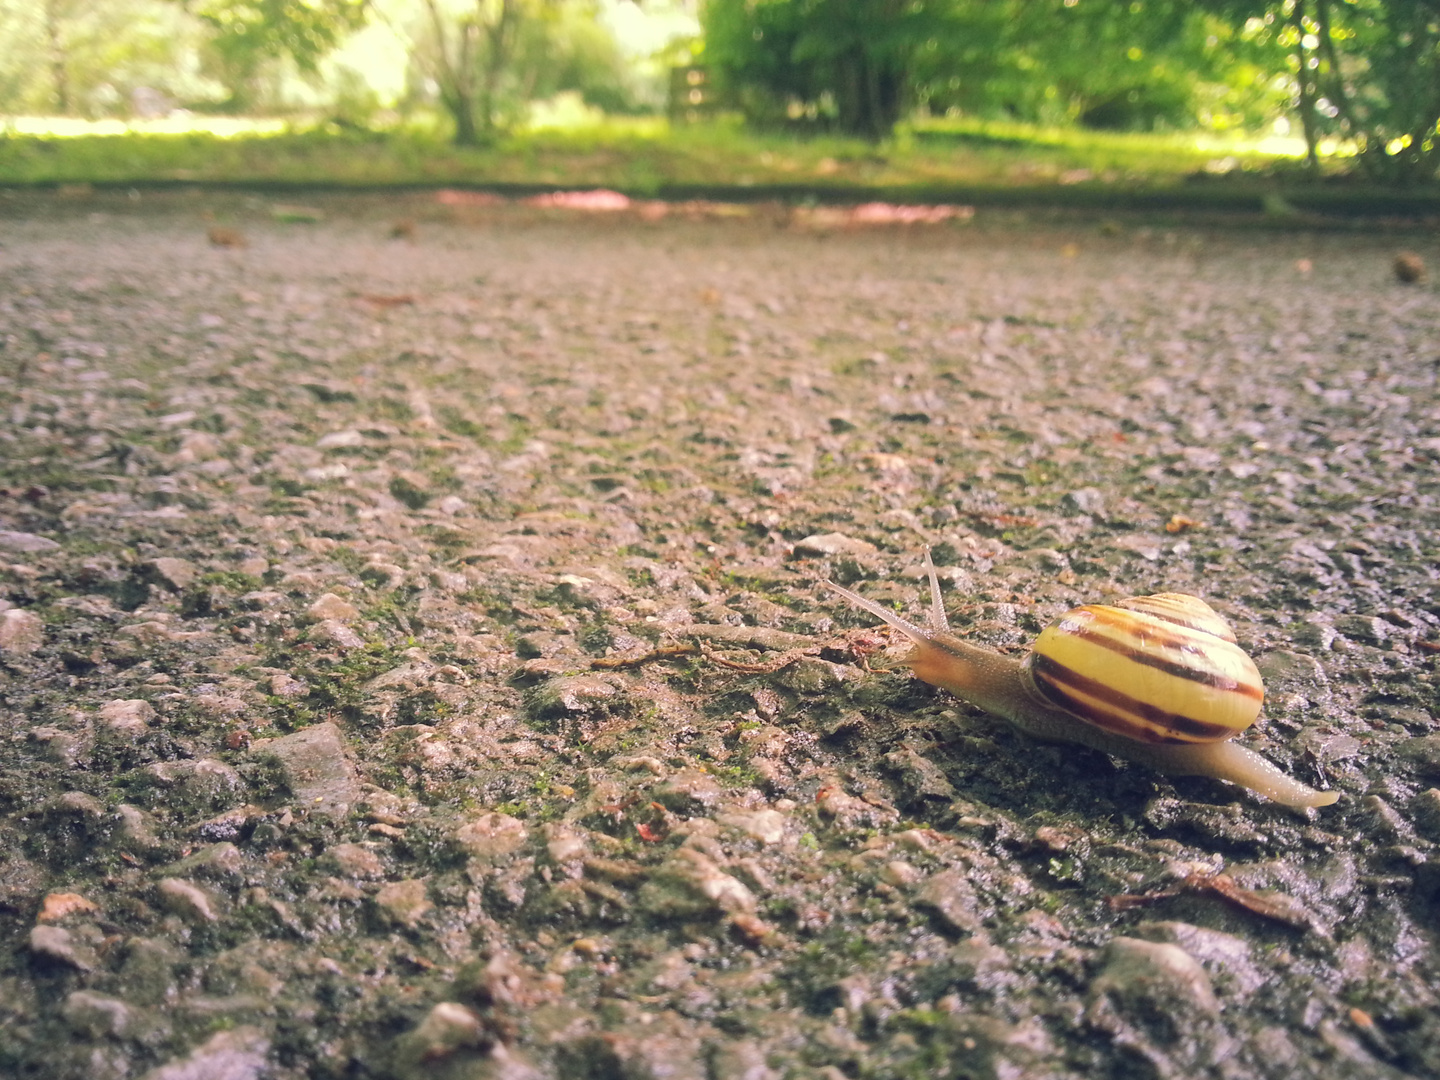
x=57 y=906
x=1179 y=523
x=222 y=236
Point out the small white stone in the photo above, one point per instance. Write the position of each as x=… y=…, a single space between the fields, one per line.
x=338 y=439
x=330 y=606
x=186 y=900
x=448 y=1027
x=130 y=716
x=334 y=632
x=404 y=902
x=833 y=544
x=491 y=836
x=21 y=632
x=767 y=826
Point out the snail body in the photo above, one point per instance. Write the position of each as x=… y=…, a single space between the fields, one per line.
x=1157 y=680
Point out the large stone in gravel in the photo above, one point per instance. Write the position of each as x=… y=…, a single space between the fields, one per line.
x=404 y=902
x=1155 y=978
x=689 y=884
x=950 y=896
x=572 y=694
x=58 y=906
x=127 y=716
x=739 y=1059
x=447 y=1028
x=1086 y=500
x=491 y=836
x=1425 y=809
x=147 y=975
x=21 y=632
x=95 y=1014
x=176 y=574
x=1225 y=957
x=206 y=780
x=24 y=542
x=330 y=606
x=353 y=861
x=338 y=440
x=222 y=860
x=60 y=946
x=335 y=633
x=186 y=899
x=689 y=791
x=921 y=777
x=767 y=826
x=314 y=767
x=833 y=544
x=637 y=1054
x=1366 y=629
x=238 y=1054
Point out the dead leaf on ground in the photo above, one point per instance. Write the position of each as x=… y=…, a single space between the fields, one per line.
x=222 y=236
x=385 y=300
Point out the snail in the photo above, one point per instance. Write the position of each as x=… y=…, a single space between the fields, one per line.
x=1157 y=680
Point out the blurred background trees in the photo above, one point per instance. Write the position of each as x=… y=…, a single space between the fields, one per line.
x=242 y=36
x=1116 y=65
x=1365 y=73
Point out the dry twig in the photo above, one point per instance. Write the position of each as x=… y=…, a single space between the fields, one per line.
x=1223 y=887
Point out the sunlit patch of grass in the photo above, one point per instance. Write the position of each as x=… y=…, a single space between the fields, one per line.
x=179 y=123
x=643 y=155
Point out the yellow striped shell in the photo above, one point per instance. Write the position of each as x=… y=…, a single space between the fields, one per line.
x=1156 y=669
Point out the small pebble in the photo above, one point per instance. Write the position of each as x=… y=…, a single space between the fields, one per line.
x=1409 y=268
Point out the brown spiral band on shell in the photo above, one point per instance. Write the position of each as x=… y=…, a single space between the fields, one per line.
x=1175 y=676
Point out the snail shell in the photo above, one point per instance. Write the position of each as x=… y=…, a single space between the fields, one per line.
x=1157 y=669
x=1157 y=679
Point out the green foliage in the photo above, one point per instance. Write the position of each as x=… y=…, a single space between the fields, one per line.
x=574 y=52
x=87 y=57
x=1377 y=77
x=1112 y=66
x=846 y=61
x=1363 y=71
x=859 y=63
x=245 y=34
x=490 y=59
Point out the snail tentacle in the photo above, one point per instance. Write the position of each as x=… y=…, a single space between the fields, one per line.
x=938 y=621
x=915 y=633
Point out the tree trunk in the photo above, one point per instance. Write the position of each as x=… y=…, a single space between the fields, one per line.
x=58 y=69
x=462 y=112
x=1307 y=94
x=497 y=58
x=866 y=96
x=456 y=75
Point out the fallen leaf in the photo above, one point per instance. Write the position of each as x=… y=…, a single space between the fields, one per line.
x=221 y=236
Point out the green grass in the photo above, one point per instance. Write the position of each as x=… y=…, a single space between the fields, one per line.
x=934 y=161
x=640 y=157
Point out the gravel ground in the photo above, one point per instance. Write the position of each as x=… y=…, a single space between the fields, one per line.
x=413 y=660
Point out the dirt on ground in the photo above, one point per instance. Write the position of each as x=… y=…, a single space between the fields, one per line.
x=415 y=659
